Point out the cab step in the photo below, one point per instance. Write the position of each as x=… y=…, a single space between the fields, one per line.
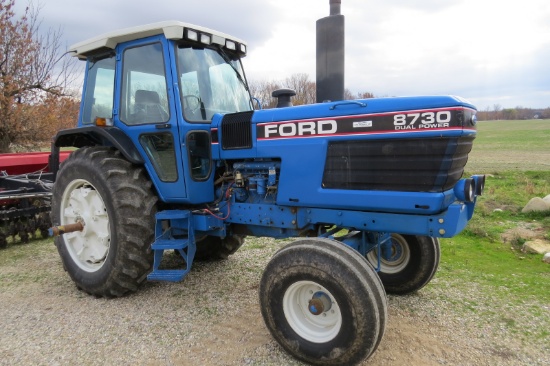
x=174 y=231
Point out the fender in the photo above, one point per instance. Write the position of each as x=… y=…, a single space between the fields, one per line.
x=93 y=136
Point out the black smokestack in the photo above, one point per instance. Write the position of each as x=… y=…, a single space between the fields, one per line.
x=330 y=55
x=335 y=7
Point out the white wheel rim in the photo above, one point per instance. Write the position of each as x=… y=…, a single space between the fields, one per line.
x=400 y=256
x=82 y=202
x=314 y=328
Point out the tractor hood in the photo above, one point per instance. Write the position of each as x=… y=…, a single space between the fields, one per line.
x=367 y=118
x=362 y=106
x=373 y=150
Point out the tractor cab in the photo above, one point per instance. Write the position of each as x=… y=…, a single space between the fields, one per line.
x=161 y=84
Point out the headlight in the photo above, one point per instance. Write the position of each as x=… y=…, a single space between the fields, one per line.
x=480 y=184
x=465 y=190
x=205 y=38
x=230 y=45
x=192 y=35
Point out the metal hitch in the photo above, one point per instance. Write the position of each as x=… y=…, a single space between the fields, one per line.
x=64 y=229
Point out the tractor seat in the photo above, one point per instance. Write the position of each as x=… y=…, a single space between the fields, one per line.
x=148 y=108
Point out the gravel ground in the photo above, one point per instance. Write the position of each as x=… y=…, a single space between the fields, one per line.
x=213 y=318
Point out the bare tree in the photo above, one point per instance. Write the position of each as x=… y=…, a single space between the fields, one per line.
x=348 y=94
x=509 y=113
x=485 y=114
x=496 y=109
x=304 y=87
x=305 y=90
x=365 y=95
x=32 y=68
x=262 y=90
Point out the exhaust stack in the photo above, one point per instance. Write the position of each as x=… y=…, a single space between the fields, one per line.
x=330 y=55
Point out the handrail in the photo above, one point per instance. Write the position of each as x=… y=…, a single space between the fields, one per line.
x=360 y=104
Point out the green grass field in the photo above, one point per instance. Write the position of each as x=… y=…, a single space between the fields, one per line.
x=511 y=145
x=516 y=155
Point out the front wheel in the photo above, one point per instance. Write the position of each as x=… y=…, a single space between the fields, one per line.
x=115 y=202
x=323 y=302
x=410 y=265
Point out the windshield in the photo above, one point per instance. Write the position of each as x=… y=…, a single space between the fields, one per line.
x=210 y=82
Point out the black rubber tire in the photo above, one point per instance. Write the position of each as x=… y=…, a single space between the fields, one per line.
x=423 y=260
x=358 y=260
x=353 y=285
x=130 y=204
x=214 y=248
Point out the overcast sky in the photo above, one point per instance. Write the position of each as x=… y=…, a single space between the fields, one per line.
x=487 y=51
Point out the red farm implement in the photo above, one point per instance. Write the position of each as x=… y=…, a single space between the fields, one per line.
x=25 y=192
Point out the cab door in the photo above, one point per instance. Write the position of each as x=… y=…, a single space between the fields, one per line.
x=145 y=111
x=194 y=126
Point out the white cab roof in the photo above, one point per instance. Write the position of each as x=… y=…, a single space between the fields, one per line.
x=171 y=29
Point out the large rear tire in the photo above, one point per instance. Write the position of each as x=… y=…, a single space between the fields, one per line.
x=412 y=265
x=323 y=302
x=114 y=199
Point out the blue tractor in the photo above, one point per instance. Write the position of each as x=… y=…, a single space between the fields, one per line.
x=172 y=157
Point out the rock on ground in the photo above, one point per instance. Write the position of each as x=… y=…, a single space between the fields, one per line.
x=536 y=204
x=536 y=246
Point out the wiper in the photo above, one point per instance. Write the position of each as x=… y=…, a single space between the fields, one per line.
x=227 y=60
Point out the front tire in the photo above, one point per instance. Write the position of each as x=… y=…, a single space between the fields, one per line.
x=323 y=302
x=412 y=264
x=114 y=199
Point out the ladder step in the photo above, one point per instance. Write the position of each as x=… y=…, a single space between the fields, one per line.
x=173 y=275
x=172 y=214
x=164 y=244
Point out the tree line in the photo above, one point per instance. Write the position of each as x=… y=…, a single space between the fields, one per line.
x=304 y=87
x=496 y=112
x=305 y=94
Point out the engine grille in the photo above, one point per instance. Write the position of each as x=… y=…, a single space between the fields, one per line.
x=420 y=165
x=236 y=131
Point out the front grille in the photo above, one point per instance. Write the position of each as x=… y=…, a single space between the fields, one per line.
x=413 y=165
x=236 y=131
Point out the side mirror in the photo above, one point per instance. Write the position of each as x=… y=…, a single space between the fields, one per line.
x=257 y=105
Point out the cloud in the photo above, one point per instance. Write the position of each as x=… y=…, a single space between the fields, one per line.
x=483 y=50
x=465 y=47
x=80 y=20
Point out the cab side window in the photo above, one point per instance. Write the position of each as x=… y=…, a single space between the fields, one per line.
x=144 y=96
x=100 y=85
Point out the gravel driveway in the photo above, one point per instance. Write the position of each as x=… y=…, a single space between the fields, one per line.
x=213 y=318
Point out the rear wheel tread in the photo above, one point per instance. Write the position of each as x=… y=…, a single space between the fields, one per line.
x=131 y=257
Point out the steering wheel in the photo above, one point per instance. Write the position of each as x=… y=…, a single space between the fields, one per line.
x=191 y=102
